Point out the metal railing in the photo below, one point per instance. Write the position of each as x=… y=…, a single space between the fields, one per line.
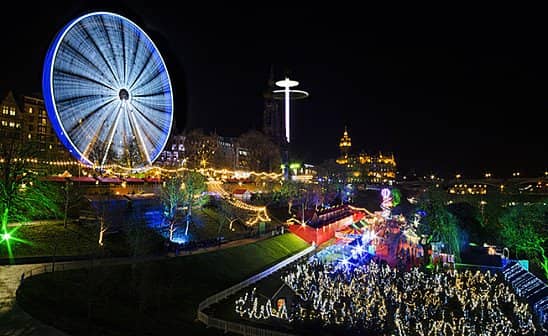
x=239 y=328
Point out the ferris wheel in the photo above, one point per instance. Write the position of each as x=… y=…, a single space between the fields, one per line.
x=107 y=91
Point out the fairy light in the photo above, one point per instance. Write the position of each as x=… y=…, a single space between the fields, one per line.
x=261 y=214
x=358 y=297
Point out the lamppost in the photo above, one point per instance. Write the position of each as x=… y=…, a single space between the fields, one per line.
x=287 y=94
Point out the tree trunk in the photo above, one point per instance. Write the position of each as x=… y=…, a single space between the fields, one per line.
x=188 y=216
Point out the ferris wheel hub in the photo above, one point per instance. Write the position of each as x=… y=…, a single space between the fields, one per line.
x=123 y=94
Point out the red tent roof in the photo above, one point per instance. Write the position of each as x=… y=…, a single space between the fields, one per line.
x=239 y=191
x=109 y=179
x=55 y=179
x=134 y=180
x=87 y=179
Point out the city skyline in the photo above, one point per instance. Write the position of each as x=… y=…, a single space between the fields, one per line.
x=444 y=99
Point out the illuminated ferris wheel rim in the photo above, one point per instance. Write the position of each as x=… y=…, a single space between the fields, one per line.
x=48 y=86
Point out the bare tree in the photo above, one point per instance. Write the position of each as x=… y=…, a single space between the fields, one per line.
x=199 y=148
x=262 y=153
x=172 y=196
x=193 y=190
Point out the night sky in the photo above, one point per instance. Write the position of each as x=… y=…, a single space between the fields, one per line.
x=446 y=90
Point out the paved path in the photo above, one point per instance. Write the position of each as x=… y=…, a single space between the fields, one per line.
x=14 y=321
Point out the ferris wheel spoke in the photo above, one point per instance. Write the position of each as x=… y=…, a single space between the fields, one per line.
x=85 y=133
x=138 y=136
x=88 y=115
x=140 y=73
x=98 y=127
x=112 y=59
x=137 y=50
x=151 y=121
x=154 y=131
x=112 y=131
x=124 y=55
x=102 y=54
x=154 y=81
x=74 y=77
x=78 y=59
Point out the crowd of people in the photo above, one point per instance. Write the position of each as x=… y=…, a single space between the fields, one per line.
x=375 y=299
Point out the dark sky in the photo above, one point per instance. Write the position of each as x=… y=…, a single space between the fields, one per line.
x=446 y=89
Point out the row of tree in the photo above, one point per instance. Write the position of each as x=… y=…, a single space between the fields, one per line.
x=520 y=226
x=204 y=150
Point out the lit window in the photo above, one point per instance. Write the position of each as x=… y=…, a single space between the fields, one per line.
x=12 y=111
x=4 y=123
x=30 y=136
x=18 y=125
x=12 y=124
x=5 y=110
x=30 y=110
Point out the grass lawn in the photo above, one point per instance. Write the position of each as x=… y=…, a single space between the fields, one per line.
x=75 y=240
x=153 y=298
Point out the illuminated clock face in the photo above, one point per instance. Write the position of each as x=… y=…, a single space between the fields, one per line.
x=108 y=92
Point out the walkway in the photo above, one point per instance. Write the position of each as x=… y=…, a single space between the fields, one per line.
x=14 y=321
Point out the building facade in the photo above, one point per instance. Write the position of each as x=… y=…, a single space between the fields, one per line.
x=364 y=168
x=24 y=121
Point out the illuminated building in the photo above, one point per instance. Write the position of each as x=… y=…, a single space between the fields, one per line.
x=24 y=120
x=364 y=168
x=468 y=189
x=173 y=153
x=344 y=146
x=305 y=173
x=227 y=155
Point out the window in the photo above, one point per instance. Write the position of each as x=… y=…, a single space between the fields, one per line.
x=5 y=109
x=43 y=113
x=41 y=129
x=12 y=124
x=30 y=136
x=12 y=111
x=31 y=128
x=17 y=125
x=44 y=121
x=30 y=110
x=4 y=123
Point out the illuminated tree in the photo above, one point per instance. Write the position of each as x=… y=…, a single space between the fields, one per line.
x=199 y=148
x=524 y=229
x=288 y=193
x=437 y=223
x=101 y=206
x=72 y=199
x=262 y=153
x=23 y=196
x=193 y=189
x=172 y=196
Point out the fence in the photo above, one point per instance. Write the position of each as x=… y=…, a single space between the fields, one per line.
x=238 y=327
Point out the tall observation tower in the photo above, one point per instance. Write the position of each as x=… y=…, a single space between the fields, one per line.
x=287 y=93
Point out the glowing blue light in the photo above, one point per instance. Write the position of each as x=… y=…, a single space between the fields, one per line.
x=179 y=240
x=107 y=91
